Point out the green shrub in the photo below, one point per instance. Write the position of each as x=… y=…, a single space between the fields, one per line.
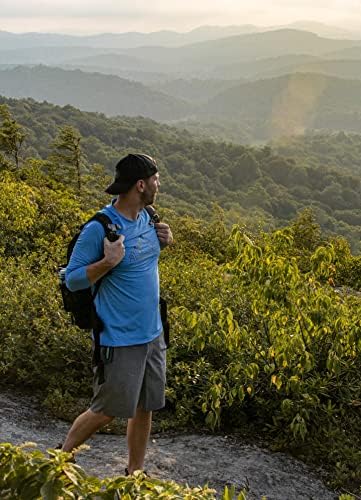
x=350 y=274
x=29 y=475
x=294 y=365
x=39 y=343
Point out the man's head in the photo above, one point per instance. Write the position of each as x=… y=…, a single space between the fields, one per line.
x=129 y=170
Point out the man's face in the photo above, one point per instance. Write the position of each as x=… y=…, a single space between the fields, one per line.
x=151 y=189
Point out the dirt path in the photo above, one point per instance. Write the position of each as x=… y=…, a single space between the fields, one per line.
x=193 y=459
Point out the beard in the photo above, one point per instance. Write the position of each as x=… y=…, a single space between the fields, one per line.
x=148 y=197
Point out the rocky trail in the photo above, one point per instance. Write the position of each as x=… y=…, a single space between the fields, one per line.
x=186 y=458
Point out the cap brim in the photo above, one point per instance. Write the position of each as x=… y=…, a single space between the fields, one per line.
x=118 y=188
x=113 y=189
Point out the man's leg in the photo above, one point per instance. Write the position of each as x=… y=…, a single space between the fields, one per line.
x=138 y=432
x=83 y=427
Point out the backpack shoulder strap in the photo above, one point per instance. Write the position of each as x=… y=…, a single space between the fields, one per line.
x=107 y=224
x=103 y=219
x=154 y=217
x=100 y=217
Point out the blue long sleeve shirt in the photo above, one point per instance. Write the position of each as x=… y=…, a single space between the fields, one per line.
x=128 y=298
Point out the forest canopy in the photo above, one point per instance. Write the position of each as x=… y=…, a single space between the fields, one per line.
x=265 y=186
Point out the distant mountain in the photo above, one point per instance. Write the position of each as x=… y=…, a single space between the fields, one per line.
x=91 y=92
x=346 y=53
x=46 y=54
x=210 y=56
x=348 y=69
x=322 y=29
x=204 y=57
x=173 y=82
x=12 y=41
x=194 y=90
x=145 y=77
x=258 y=67
x=164 y=38
x=116 y=62
x=212 y=59
x=291 y=104
x=263 y=109
x=204 y=33
x=109 y=59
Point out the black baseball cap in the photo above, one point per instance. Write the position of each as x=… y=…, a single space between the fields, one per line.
x=129 y=170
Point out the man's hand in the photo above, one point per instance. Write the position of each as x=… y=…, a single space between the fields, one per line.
x=164 y=234
x=114 y=251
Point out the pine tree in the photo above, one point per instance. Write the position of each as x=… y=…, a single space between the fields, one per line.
x=12 y=135
x=69 y=156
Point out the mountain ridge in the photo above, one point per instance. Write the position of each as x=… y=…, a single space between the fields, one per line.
x=107 y=94
x=170 y=37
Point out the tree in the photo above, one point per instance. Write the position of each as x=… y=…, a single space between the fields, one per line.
x=306 y=231
x=12 y=135
x=68 y=155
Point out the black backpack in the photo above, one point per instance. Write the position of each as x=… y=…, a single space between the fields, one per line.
x=80 y=304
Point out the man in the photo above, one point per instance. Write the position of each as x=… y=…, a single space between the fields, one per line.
x=133 y=347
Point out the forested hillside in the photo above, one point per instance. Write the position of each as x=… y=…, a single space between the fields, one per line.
x=253 y=68
x=195 y=90
x=91 y=92
x=340 y=68
x=290 y=104
x=260 y=185
x=257 y=110
x=340 y=150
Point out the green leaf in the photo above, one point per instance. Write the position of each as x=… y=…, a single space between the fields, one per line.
x=51 y=490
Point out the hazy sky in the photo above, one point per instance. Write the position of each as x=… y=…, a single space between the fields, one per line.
x=97 y=16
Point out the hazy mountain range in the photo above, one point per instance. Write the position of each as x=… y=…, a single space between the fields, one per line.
x=271 y=107
x=165 y=38
x=216 y=59
x=261 y=84
x=108 y=94
x=293 y=103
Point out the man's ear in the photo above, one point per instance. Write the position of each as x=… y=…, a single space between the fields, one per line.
x=140 y=185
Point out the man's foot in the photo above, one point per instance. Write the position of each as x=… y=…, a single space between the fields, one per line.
x=72 y=458
x=127 y=472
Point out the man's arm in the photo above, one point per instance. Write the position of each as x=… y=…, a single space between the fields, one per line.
x=114 y=252
x=164 y=234
x=93 y=256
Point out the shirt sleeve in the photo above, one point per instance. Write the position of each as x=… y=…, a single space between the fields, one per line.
x=87 y=250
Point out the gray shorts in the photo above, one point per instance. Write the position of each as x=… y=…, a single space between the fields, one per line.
x=134 y=376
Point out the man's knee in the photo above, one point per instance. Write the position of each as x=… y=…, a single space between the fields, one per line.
x=141 y=414
x=140 y=409
x=100 y=418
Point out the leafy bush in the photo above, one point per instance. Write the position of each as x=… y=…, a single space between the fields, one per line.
x=38 y=341
x=294 y=366
x=35 y=216
x=29 y=475
x=350 y=273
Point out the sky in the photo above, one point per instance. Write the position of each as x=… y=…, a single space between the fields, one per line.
x=117 y=16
